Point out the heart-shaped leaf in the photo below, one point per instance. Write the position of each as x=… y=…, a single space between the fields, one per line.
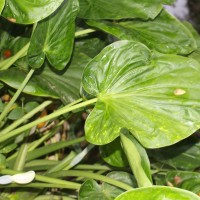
x=54 y=37
x=101 y=9
x=158 y=193
x=28 y=12
x=154 y=96
x=165 y=33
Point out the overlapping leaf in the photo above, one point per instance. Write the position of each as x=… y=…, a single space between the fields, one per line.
x=101 y=9
x=54 y=37
x=165 y=33
x=158 y=193
x=155 y=96
x=28 y=12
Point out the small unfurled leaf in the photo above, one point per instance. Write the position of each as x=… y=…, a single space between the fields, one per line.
x=135 y=89
x=28 y=12
x=117 y=9
x=164 y=34
x=6 y=179
x=138 y=159
x=24 y=178
x=158 y=193
x=54 y=37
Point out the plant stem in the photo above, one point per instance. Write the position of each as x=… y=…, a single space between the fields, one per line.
x=91 y=175
x=25 y=117
x=16 y=95
x=83 y=32
x=55 y=181
x=55 y=114
x=9 y=61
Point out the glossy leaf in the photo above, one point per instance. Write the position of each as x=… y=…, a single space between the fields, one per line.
x=138 y=159
x=101 y=9
x=184 y=155
x=54 y=37
x=2 y=3
x=28 y=12
x=158 y=193
x=113 y=154
x=155 y=96
x=164 y=34
x=64 y=85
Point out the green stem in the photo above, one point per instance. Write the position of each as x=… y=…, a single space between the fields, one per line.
x=55 y=114
x=45 y=179
x=21 y=158
x=16 y=95
x=83 y=32
x=77 y=173
x=10 y=61
x=25 y=117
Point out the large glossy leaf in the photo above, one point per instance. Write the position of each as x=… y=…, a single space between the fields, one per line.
x=158 y=193
x=113 y=154
x=155 y=96
x=2 y=3
x=54 y=37
x=101 y=9
x=28 y=11
x=164 y=34
x=184 y=155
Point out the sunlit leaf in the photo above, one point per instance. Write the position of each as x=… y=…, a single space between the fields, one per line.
x=2 y=3
x=28 y=12
x=158 y=193
x=154 y=96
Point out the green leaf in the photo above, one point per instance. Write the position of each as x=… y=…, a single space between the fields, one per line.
x=90 y=188
x=154 y=96
x=16 y=113
x=138 y=159
x=28 y=12
x=101 y=9
x=54 y=37
x=185 y=180
x=2 y=3
x=30 y=106
x=184 y=155
x=158 y=193
x=164 y=34
x=123 y=177
x=2 y=161
x=113 y=154
x=105 y=191
x=64 y=85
